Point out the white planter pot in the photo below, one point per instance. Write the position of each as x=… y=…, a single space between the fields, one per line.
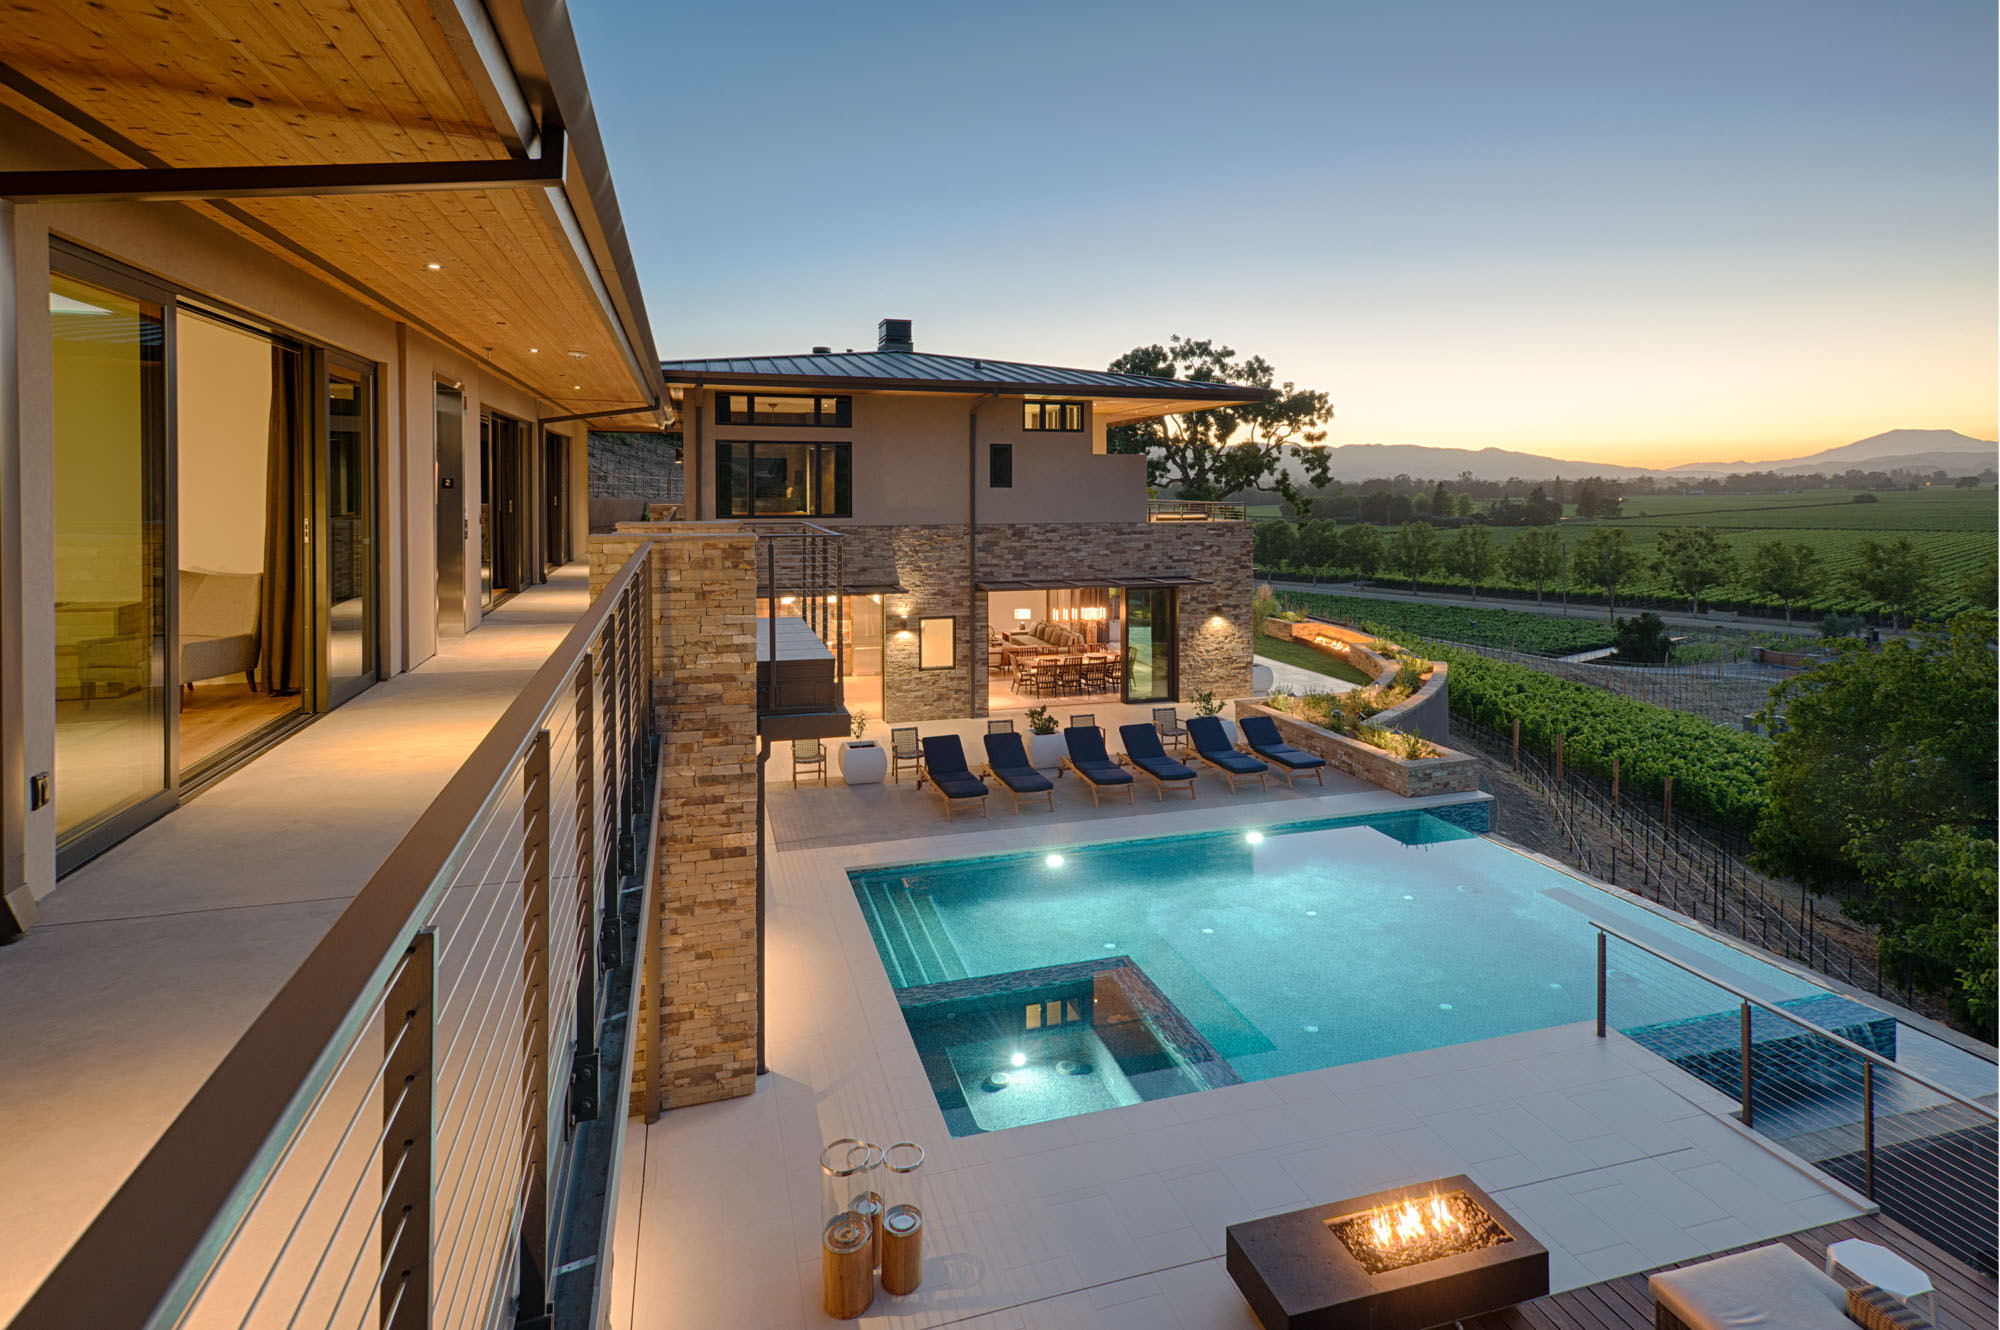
x=1046 y=751
x=1260 y=679
x=1229 y=728
x=863 y=763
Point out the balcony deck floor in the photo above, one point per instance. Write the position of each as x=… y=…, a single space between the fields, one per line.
x=151 y=960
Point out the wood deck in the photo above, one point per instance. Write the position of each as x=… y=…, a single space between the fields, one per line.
x=1965 y=1298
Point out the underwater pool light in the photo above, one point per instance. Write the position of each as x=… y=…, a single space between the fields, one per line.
x=1053 y=860
x=1255 y=837
x=1019 y=1059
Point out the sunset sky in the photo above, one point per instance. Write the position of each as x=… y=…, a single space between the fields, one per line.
x=1646 y=235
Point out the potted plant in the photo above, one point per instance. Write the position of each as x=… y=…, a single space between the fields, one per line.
x=862 y=761
x=1205 y=704
x=1046 y=748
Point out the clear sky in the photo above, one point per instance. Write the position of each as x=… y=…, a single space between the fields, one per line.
x=1646 y=234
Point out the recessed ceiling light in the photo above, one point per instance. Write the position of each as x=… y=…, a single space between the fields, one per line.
x=240 y=103
x=576 y=355
x=534 y=350
x=434 y=266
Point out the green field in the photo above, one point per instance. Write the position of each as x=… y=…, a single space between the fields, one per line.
x=1955 y=527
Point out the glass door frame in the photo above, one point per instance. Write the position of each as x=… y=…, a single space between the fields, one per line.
x=1172 y=602
x=325 y=365
x=80 y=265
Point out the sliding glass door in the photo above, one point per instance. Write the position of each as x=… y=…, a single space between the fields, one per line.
x=113 y=731
x=214 y=516
x=244 y=665
x=1150 y=631
x=346 y=475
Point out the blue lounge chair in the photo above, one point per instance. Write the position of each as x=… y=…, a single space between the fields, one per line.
x=1007 y=762
x=1211 y=745
x=944 y=767
x=1149 y=759
x=1088 y=759
x=1261 y=733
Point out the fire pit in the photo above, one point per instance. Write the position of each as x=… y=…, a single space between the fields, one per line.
x=1397 y=1260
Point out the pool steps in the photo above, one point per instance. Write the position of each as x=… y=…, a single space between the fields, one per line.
x=906 y=921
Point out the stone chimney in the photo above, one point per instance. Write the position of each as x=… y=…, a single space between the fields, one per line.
x=893 y=335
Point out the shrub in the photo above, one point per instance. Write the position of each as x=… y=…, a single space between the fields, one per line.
x=1842 y=625
x=1410 y=672
x=1205 y=703
x=1409 y=747
x=1040 y=721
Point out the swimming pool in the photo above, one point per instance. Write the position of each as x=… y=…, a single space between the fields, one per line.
x=1241 y=955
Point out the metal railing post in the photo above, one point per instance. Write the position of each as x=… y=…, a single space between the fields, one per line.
x=1600 y=983
x=1868 y=1130
x=536 y=923
x=1749 y=1114
x=409 y=1024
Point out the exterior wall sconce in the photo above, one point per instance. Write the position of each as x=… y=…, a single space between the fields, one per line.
x=896 y=623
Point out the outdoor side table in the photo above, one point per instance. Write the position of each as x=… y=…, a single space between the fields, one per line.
x=1885 y=1270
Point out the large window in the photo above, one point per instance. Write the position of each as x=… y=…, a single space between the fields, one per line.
x=783 y=409
x=1064 y=416
x=783 y=480
x=937 y=643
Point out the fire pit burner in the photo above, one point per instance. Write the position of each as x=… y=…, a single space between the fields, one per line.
x=1397 y=1260
x=1412 y=1231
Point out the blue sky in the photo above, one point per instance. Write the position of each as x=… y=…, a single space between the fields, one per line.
x=1600 y=230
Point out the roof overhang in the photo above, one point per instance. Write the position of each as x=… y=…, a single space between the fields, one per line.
x=438 y=161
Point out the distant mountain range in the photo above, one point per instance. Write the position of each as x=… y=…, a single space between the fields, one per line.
x=1904 y=449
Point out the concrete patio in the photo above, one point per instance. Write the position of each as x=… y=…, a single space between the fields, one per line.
x=1614 y=1158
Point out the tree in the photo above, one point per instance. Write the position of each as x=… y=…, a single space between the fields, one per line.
x=1643 y=639
x=1274 y=542
x=1207 y=454
x=1879 y=786
x=1441 y=501
x=1897 y=574
x=1319 y=545
x=1596 y=497
x=1692 y=559
x=1413 y=550
x=1536 y=559
x=1362 y=549
x=1470 y=556
x=1785 y=573
x=1606 y=558
x=1461 y=504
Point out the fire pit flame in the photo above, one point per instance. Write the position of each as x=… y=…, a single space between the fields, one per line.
x=1393 y=1226
x=1418 y=1229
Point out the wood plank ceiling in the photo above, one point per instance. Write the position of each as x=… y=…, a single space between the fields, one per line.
x=329 y=82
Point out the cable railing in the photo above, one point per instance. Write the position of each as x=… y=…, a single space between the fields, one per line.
x=1649 y=847
x=1817 y=1072
x=388 y=1145
x=1193 y=510
x=799 y=575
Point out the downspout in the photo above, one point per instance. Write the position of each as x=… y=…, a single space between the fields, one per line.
x=972 y=548
x=763 y=757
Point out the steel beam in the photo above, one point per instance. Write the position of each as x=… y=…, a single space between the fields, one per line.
x=170 y=184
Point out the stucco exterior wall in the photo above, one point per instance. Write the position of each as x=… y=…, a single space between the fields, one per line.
x=910 y=453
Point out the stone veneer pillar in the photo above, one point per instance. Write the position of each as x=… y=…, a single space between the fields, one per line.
x=705 y=713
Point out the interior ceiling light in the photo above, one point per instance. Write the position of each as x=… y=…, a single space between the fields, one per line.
x=434 y=266
x=576 y=355
x=534 y=350
x=240 y=103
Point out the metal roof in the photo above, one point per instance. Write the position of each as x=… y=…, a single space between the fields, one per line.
x=923 y=372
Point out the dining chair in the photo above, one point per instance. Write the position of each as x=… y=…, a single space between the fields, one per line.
x=808 y=755
x=904 y=751
x=1168 y=722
